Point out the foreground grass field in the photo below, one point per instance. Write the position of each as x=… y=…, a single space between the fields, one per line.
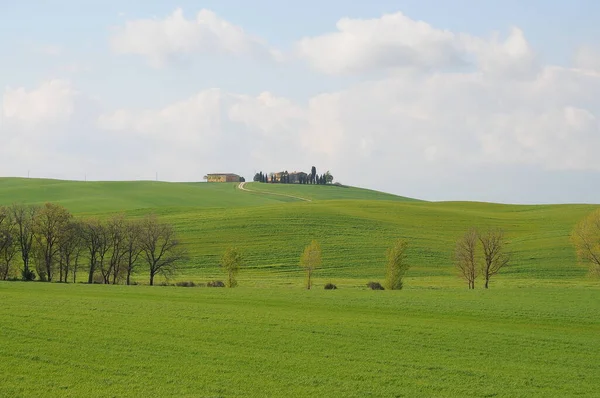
x=81 y=340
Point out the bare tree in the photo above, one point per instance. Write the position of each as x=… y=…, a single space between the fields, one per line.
x=494 y=253
x=311 y=260
x=160 y=247
x=51 y=221
x=465 y=257
x=396 y=266
x=132 y=247
x=95 y=241
x=116 y=240
x=70 y=248
x=586 y=239
x=7 y=244
x=23 y=216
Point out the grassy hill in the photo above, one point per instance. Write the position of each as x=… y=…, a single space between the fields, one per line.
x=354 y=227
x=534 y=334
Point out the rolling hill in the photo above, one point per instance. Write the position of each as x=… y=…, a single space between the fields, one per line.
x=353 y=225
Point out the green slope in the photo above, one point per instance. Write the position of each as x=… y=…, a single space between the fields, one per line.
x=96 y=196
x=325 y=192
x=272 y=230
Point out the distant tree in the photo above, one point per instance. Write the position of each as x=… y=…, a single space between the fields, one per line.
x=465 y=257
x=132 y=247
x=7 y=244
x=586 y=239
x=23 y=217
x=328 y=177
x=494 y=253
x=257 y=177
x=96 y=244
x=50 y=223
x=231 y=262
x=160 y=248
x=242 y=179
x=311 y=260
x=116 y=240
x=70 y=246
x=396 y=266
x=313 y=175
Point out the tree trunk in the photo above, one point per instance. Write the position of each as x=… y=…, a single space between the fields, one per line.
x=487 y=281
x=128 y=276
x=151 y=279
x=91 y=275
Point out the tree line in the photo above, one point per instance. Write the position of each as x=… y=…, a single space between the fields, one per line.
x=52 y=244
x=303 y=178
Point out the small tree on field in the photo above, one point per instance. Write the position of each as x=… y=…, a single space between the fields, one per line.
x=311 y=260
x=465 y=257
x=397 y=265
x=231 y=262
x=160 y=247
x=586 y=239
x=494 y=253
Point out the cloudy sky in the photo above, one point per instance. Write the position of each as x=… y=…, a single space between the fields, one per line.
x=441 y=100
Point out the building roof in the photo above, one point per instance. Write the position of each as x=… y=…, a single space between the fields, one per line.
x=223 y=174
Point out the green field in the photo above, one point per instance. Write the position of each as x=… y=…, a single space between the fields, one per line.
x=534 y=333
x=354 y=227
x=82 y=340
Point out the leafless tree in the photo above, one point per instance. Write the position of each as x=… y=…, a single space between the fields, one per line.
x=50 y=223
x=23 y=216
x=494 y=253
x=116 y=228
x=160 y=247
x=70 y=248
x=465 y=257
x=132 y=247
x=95 y=238
x=7 y=243
x=586 y=239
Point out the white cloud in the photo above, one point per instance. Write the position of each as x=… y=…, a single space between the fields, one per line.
x=433 y=122
x=588 y=57
x=397 y=41
x=160 y=40
x=52 y=50
x=53 y=102
x=436 y=130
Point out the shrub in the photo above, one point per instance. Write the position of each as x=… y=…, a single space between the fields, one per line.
x=375 y=286
x=215 y=284
x=28 y=275
x=330 y=286
x=185 y=284
x=164 y=284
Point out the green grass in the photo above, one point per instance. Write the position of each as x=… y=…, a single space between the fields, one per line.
x=326 y=192
x=534 y=333
x=99 y=197
x=354 y=232
x=80 y=340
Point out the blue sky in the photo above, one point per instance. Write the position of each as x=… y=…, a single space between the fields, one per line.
x=120 y=91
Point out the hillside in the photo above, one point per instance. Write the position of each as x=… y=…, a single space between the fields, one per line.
x=354 y=227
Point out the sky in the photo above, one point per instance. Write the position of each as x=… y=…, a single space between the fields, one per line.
x=439 y=100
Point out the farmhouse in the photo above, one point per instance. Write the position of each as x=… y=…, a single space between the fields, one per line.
x=292 y=178
x=297 y=177
x=223 y=177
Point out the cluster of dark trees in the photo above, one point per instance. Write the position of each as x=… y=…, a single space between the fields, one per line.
x=49 y=241
x=300 y=178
